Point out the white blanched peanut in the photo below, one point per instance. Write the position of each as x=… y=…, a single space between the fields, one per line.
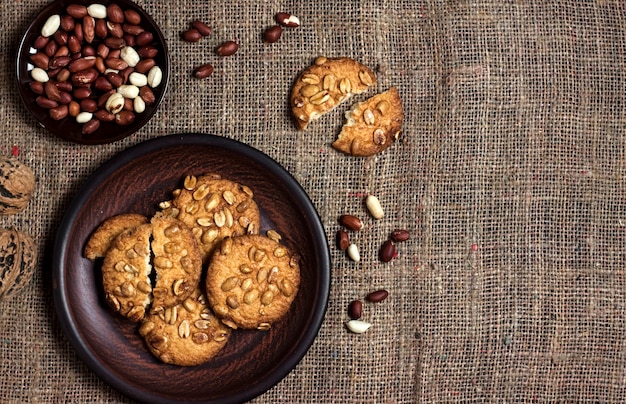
x=51 y=25
x=97 y=11
x=154 y=76
x=374 y=207
x=138 y=79
x=287 y=20
x=358 y=326
x=353 y=253
x=130 y=56
x=139 y=105
x=84 y=117
x=115 y=103
x=39 y=74
x=128 y=91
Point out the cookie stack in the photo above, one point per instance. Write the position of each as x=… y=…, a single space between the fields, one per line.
x=196 y=270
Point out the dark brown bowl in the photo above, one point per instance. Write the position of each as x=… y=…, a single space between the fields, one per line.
x=136 y=180
x=68 y=128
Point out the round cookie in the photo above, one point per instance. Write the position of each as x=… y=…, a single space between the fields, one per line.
x=252 y=281
x=325 y=84
x=215 y=208
x=177 y=262
x=126 y=272
x=372 y=125
x=187 y=334
x=101 y=238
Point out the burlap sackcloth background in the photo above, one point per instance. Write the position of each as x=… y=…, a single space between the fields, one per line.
x=510 y=177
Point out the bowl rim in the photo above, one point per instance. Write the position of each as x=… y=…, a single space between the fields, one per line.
x=21 y=61
x=62 y=303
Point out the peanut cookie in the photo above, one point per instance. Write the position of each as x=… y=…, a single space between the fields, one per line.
x=215 y=208
x=326 y=84
x=372 y=125
x=101 y=239
x=187 y=334
x=177 y=262
x=252 y=281
x=126 y=272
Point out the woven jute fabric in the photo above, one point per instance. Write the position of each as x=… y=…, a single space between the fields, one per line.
x=510 y=176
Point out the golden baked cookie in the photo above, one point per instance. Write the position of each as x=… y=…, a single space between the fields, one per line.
x=177 y=262
x=372 y=125
x=101 y=239
x=126 y=272
x=215 y=208
x=187 y=334
x=252 y=281
x=325 y=84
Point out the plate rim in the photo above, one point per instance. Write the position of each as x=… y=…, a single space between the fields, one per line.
x=60 y=298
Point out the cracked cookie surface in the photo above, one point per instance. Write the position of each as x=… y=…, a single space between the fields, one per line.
x=324 y=85
x=372 y=125
x=126 y=273
x=101 y=239
x=177 y=262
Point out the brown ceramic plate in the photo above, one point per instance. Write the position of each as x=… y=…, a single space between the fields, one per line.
x=67 y=128
x=136 y=180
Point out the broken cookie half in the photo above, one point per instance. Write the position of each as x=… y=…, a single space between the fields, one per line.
x=372 y=125
x=326 y=84
x=135 y=251
x=100 y=241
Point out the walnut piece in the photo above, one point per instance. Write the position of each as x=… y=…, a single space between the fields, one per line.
x=17 y=184
x=18 y=258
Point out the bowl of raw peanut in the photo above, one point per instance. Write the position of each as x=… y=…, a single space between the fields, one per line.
x=92 y=73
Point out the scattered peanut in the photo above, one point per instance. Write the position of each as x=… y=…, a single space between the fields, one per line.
x=358 y=326
x=374 y=207
x=353 y=253
x=192 y=35
x=387 y=251
x=228 y=48
x=287 y=20
x=355 y=309
x=203 y=71
x=377 y=296
x=400 y=235
x=272 y=34
x=343 y=240
x=201 y=27
x=350 y=222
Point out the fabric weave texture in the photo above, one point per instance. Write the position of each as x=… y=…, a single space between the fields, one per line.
x=510 y=176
